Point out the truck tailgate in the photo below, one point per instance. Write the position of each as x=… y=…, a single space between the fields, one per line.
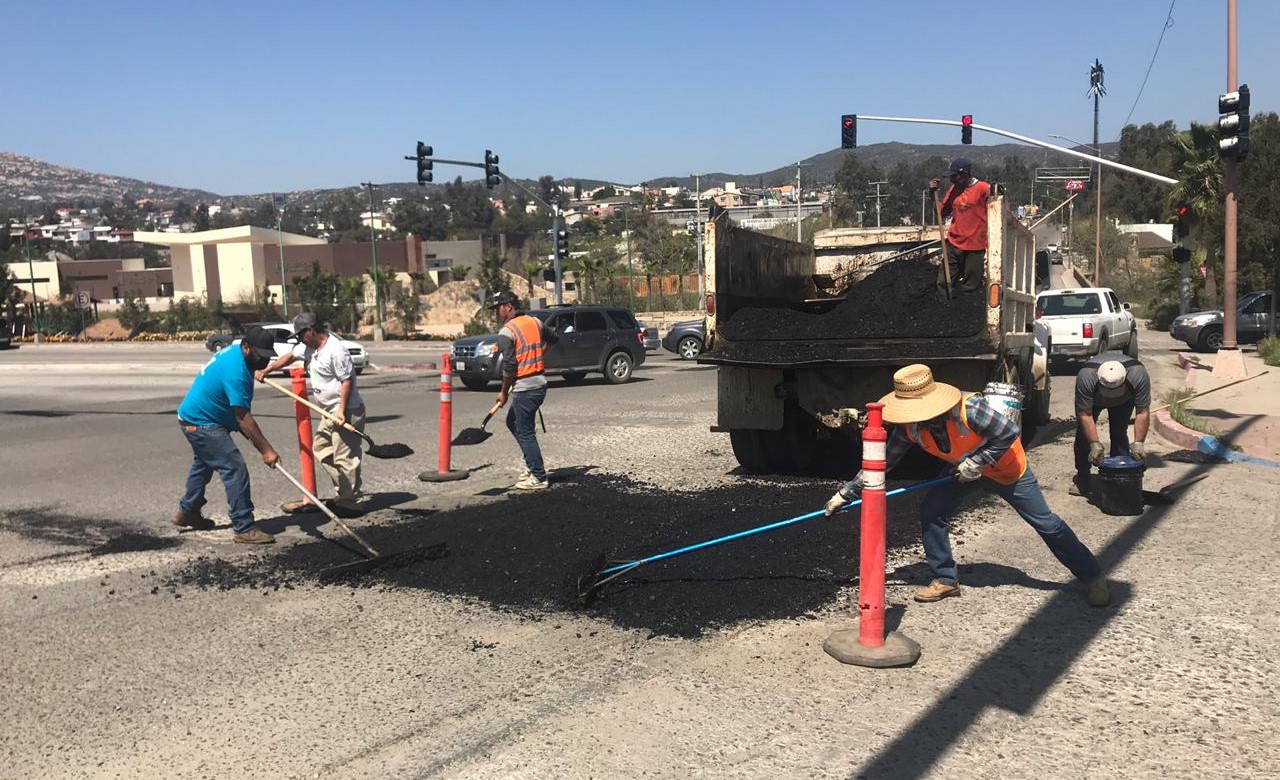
x=1065 y=329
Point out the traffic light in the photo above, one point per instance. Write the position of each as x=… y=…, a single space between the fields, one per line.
x=562 y=242
x=966 y=129
x=1181 y=255
x=1183 y=217
x=1233 y=125
x=848 y=131
x=492 y=176
x=424 y=164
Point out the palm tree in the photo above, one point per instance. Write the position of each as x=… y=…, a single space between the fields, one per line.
x=1200 y=185
x=350 y=299
x=531 y=269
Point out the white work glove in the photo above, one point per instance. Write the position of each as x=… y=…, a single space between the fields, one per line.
x=1096 y=451
x=1139 y=451
x=969 y=470
x=834 y=503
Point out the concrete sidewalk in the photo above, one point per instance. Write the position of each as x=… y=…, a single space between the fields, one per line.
x=1246 y=414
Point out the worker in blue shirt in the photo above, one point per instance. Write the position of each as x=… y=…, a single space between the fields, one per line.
x=216 y=405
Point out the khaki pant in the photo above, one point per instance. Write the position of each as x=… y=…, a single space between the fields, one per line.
x=338 y=451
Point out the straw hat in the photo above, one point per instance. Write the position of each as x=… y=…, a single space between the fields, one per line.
x=916 y=397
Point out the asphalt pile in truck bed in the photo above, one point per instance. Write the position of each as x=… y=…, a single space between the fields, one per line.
x=899 y=300
x=525 y=554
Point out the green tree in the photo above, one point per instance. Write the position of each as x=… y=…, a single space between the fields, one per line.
x=10 y=293
x=424 y=219
x=532 y=269
x=460 y=272
x=605 y=192
x=383 y=280
x=351 y=300
x=1200 y=184
x=491 y=277
x=133 y=310
x=317 y=292
x=406 y=308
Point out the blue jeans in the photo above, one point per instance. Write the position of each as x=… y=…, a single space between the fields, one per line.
x=1024 y=496
x=215 y=451
x=524 y=407
x=1118 y=421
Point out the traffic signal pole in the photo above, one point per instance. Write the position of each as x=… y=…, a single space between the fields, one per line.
x=1092 y=159
x=555 y=255
x=1229 y=363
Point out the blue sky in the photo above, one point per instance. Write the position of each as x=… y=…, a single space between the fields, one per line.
x=238 y=97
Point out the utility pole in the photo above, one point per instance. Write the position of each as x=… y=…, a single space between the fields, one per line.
x=697 y=223
x=377 y=280
x=1229 y=363
x=799 y=235
x=878 y=196
x=555 y=256
x=34 y=313
x=284 y=291
x=631 y=276
x=1097 y=88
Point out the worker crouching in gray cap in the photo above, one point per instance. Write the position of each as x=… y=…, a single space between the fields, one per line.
x=1120 y=384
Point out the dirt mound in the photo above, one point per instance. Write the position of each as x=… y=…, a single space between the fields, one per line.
x=453 y=303
x=898 y=300
x=108 y=329
x=524 y=555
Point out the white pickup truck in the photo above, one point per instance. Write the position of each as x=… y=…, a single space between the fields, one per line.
x=1085 y=322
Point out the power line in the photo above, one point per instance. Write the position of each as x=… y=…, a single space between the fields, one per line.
x=1168 y=23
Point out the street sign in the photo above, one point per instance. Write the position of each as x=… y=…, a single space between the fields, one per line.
x=1074 y=186
x=83 y=301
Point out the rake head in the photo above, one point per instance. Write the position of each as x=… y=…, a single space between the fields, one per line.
x=589 y=582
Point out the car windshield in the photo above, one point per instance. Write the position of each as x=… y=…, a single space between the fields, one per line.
x=1070 y=303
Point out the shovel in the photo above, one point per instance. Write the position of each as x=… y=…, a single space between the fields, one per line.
x=476 y=435
x=384 y=451
x=942 y=238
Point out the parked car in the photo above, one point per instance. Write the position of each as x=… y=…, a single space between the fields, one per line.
x=1055 y=257
x=650 y=337
x=283 y=331
x=1085 y=322
x=1202 y=330
x=591 y=339
x=685 y=339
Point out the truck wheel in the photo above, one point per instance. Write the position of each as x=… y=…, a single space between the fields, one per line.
x=1037 y=411
x=1131 y=349
x=1210 y=339
x=617 y=369
x=795 y=446
x=751 y=451
x=474 y=382
x=1104 y=343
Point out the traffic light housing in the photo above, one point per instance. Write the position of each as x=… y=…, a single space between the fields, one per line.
x=849 y=131
x=1183 y=217
x=966 y=129
x=425 y=164
x=1233 y=124
x=1181 y=255
x=562 y=242
x=492 y=176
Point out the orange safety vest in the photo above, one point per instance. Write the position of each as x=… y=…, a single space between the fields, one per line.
x=1008 y=470
x=526 y=333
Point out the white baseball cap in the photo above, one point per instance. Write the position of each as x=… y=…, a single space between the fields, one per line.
x=1112 y=374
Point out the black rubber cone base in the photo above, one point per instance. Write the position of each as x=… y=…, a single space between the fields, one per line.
x=897 y=650
x=444 y=476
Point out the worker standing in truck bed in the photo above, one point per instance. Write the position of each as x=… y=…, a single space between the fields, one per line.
x=966 y=204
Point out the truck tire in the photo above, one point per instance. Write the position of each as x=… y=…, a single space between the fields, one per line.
x=1210 y=339
x=1037 y=407
x=1104 y=343
x=751 y=450
x=795 y=447
x=1131 y=349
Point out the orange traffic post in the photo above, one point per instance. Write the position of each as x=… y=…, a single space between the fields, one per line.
x=302 y=414
x=869 y=646
x=444 y=446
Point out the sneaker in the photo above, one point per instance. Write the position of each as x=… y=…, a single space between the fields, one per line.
x=531 y=483
x=936 y=591
x=193 y=520
x=1098 y=593
x=1079 y=486
x=254 y=536
x=524 y=471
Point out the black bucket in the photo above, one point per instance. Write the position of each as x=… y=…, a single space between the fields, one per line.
x=1118 y=488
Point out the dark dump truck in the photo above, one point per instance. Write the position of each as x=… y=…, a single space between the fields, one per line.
x=805 y=336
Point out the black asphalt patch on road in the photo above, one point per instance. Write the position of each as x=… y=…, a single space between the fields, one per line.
x=525 y=553
x=134 y=542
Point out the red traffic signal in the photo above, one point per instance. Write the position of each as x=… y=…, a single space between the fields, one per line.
x=848 y=131
x=966 y=129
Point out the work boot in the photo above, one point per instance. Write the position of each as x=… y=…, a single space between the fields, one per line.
x=193 y=520
x=1079 y=485
x=531 y=482
x=1098 y=592
x=936 y=591
x=254 y=536
x=301 y=505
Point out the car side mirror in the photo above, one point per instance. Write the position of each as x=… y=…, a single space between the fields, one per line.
x=1126 y=306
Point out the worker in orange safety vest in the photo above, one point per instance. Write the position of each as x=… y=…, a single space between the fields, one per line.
x=522 y=342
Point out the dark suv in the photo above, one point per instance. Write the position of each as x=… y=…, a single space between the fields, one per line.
x=592 y=339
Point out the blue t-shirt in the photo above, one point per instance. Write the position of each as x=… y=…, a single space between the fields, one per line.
x=224 y=382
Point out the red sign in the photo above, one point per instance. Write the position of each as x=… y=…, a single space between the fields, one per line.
x=1074 y=186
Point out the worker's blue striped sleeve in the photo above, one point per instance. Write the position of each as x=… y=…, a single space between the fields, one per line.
x=994 y=426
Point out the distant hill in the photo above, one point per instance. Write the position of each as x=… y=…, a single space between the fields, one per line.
x=30 y=184
x=33 y=185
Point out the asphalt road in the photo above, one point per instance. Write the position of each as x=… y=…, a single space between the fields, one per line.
x=135 y=651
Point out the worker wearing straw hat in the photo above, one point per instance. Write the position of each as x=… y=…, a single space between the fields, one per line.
x=982 y=445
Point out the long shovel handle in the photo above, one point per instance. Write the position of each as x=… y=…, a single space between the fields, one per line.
x=323 y=412
x=329 y=512
x=1211 y=390
x=942 y=238
x=622 y=567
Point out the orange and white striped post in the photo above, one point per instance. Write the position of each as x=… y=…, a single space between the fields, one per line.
x=444 y=439
x=869 y=646
x=302 y=415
